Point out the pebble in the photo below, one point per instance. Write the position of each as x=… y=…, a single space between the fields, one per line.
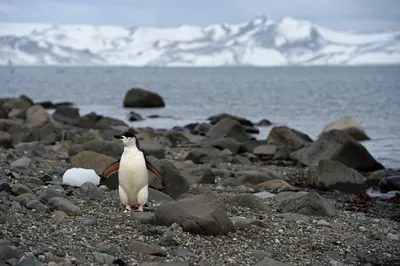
x=391 y=236
x=21 y=163
x=323 y=223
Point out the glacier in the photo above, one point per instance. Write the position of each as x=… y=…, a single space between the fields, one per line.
x=259 y=42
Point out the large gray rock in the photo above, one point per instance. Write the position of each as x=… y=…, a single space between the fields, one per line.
x=334 y=175
x=246 y=200
x=227 y=128
x=198 y=212
x=152 y=148
x=112 y=149
x=348 y=125
x=283 y=136
x=67 y=115
x=338 y=146
x=199 y=175
x=310 y=203
x=207 y=155
x=141 y=98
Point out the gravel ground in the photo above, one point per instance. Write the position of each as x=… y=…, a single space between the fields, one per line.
x=103 y=232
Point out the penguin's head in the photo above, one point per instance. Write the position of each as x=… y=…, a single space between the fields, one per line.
x=128 y=139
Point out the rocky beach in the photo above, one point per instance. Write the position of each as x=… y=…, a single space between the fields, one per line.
x=228 y=198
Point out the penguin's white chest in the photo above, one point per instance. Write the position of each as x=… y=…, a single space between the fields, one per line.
x=132 y=177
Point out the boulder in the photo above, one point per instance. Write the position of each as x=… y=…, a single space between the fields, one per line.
x=310 y=203
x=141 y=98
x=250 y=145
x=133 y=116
x=348 y=125
x=22 y=102
x=199 y=175
x=152 y=148
x=66 y=115
x=206 y=155
x=338 y=146
x=93 y=120
x=227 y=128
x=36 y=115
x=390 y=183
x=265 y=150
x=333 y=175
x=6 y=140
x=283 y=136
x=225 y=143
x=246 y=200
x=91 y=160
x=112 y=149
x=198 y=212
x=241 y=120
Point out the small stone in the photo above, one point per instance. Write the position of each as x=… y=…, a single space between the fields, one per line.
x=391 y=236
x=21 y=163
x=323 y=223
x=19 y=189
x=65 y=205
x=363 y=229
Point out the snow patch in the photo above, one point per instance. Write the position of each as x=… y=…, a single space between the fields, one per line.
x=78 y=176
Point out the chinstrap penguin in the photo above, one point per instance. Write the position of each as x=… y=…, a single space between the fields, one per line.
x=132 y=173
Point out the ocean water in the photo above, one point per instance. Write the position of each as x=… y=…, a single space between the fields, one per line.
x=304 y=98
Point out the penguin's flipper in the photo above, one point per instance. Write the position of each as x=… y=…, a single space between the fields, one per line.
x=152 y=169
x=112 y=168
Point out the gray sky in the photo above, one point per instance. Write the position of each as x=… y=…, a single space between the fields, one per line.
x=357 y=15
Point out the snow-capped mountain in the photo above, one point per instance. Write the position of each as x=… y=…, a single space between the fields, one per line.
x=259 y=42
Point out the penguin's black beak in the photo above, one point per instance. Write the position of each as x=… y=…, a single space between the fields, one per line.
x=118 y=136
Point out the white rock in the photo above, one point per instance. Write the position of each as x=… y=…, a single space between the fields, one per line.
x=264 y=195
x=78 y=176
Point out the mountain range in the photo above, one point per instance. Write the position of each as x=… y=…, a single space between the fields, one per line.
x=259 y=42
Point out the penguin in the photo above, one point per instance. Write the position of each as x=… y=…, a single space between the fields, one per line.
x=132 y=173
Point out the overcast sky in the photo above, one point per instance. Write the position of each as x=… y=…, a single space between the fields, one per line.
x=358 y=15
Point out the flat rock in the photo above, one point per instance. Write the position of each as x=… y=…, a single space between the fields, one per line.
x=246 y=200
x=266 y=150
x=61 y=204
x=198 y=212
x=334 y=175
x=243 y=222
x=112 y=149
x=255 y=177
x=277 y=185
x=309 y=204
x=19 y=189
x=146 y=249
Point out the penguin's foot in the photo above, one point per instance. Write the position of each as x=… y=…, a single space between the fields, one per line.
x=128 y=207
x=140 y=208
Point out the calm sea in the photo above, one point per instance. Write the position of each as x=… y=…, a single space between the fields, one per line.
x=303 y=98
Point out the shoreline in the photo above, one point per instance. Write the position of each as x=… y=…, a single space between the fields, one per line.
x=244 y=201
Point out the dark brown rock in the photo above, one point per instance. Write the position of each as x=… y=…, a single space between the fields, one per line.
x=141 y=98
x=283 y=136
